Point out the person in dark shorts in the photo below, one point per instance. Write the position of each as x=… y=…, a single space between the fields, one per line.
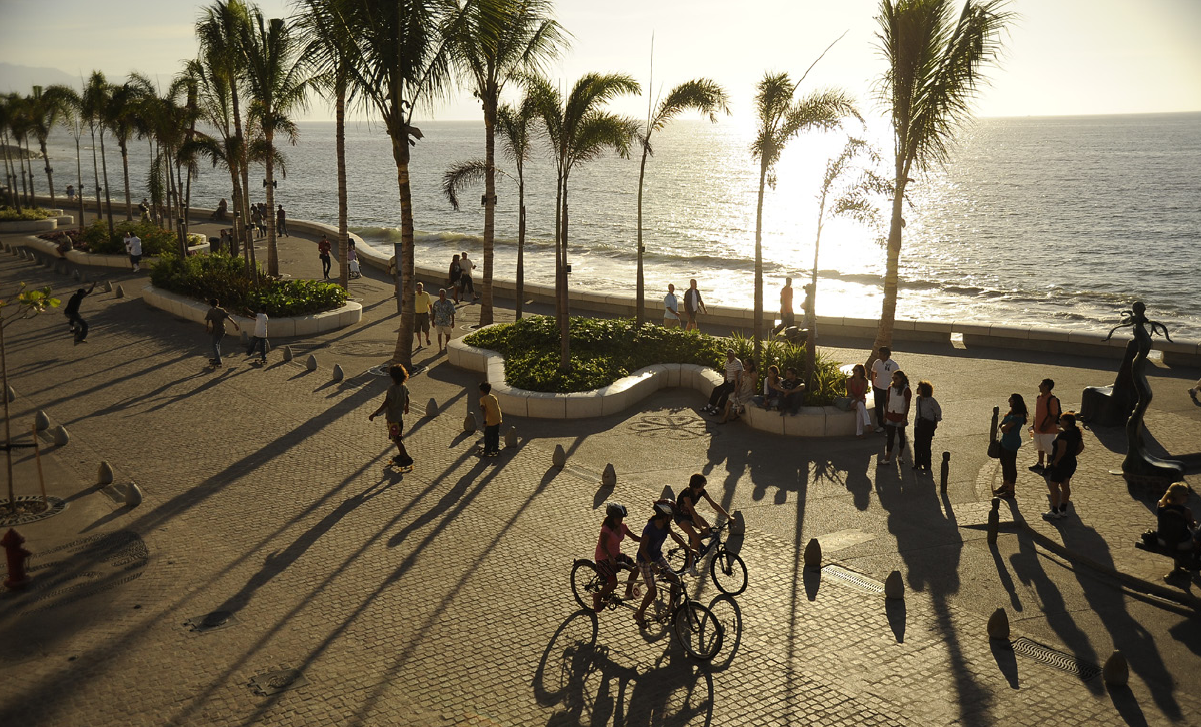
x=691 y=521
x=214 y=323
x=323 y=248
x=693 y=305
x=78 y=325
x=394 y=407
x=650 y=555
x=1069 y=443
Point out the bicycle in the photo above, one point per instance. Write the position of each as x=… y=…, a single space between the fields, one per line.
x=726 y=568
x=695 y=627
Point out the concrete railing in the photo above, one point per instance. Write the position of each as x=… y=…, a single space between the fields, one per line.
x=194 y=310
x=811 y=421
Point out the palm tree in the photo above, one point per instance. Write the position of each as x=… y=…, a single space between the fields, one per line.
x=500 y=40
x=7 y=110
x=277 y=81
x=934 y=69
x=221 y=30
x=223 y=147
x=121 y=115
x=45 y=109
x=68 y=103
x=578 y=131
x=399 y=62
x=19 y=124
x=95 y=104
x=327 y=49
x=780 y=119
x=705 y=97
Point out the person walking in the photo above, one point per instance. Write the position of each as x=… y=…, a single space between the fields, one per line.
x=857 y=386
x=896 y=415
x=214 y=325
x=454 y=277
x=927 y=415
x=421 y=314
x=259 y=340
x=323 y=248
x=256 y=219
x=721 y=392
x=1061 y=465
x=882 y=370
x=133 y=246
x=671 y=308
x=693 y=304
x=394 y=408
x=264 y=215
x=492 y=420
x=465 y=268
x=444 y=319
x=787 y=318
x=79 y=326
x=281 y=222
x=1011 y=442
x=70 y=192
x=1045 y=427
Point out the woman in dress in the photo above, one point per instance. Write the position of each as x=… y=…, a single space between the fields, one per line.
x=896 y=415
x=1068 y=444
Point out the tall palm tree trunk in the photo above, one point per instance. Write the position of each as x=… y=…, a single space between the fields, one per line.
x=891 y=271
x=564 y=298
x=640 y=285
x=243 y=165
x=272 y=250
x=108 y=200
x=235 y=245
x=404 y=342
x=758 y=323
x=489 y=212
x=95 y=169
x=79 y=174
x=340 y=150
x=49 y=172
x=29 y=164
x=124 y=147
x=24 y=188
x=10 y=177
x=520 y=246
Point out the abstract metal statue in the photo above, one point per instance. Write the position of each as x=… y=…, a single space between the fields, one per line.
x=1137 y=461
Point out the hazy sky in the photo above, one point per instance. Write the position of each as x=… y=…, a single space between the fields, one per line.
x=1061 y=56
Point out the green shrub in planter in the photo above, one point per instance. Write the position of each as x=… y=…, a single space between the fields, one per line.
x=223 y=277
x=28 y=214
x=155 y=240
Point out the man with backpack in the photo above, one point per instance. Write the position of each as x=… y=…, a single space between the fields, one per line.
x=1045 y=426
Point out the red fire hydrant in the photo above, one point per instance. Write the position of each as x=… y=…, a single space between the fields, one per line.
x=17 y=556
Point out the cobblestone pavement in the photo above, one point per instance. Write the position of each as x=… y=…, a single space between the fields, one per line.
x=441 y=596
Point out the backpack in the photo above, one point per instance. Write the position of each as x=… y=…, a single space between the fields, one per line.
x=1058 y=408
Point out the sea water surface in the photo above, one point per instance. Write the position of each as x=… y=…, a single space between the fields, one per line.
x=1057 y=222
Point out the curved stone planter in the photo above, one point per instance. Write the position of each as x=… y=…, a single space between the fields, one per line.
x=14 y=227
x=812 y=421
x=194 y=310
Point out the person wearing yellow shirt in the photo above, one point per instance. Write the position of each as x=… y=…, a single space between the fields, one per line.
x=492 y=420
x=422 y=302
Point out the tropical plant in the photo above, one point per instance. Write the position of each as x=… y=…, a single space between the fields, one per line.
x=125 y=104
x=399 y=63
x=498 y=41
x=8 y=111
x=24 y=304
x=935 y=66
x=44 y=109
x=781 y=117
x=68 y=103
x=94 y=107
x=276 y=77
x=701 y=95
x=225 y=278
x=578 y=130
x=850 y=188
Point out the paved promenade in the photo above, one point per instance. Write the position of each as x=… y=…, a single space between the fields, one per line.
x=441 y=596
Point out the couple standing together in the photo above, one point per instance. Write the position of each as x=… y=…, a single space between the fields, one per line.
x=693 y=305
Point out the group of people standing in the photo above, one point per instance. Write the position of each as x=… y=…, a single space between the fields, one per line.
x=894 y=402
x=694 y=305
x=459 y=278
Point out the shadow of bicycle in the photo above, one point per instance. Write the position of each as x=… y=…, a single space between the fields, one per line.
x=590 y=686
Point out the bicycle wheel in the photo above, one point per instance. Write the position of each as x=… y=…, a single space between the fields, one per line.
x=697 y=630
x=677 y=560
x=585 y=582
x=729 y=572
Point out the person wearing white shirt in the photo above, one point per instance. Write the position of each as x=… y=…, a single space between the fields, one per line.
x=259 y=340
x=133 y=246
x=882 y=371
x=671 y=309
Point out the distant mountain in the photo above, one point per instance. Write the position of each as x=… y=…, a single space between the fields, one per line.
x=22 y=79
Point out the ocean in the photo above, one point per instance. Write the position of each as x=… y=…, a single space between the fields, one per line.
x=1056 y=222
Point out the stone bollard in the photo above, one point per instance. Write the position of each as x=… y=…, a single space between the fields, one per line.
x=559 y=458
x=994 y=521
x=12 y=394
x=310 y=363
x=431 y=408
x=737 y=523
x=76 y=275
x=133 y=495
x=609 y=476
x=288 y=353
x=894 y=586
x=338 y=373
x=469 y=423
x=511 y=438
x=21 y=252
x=1116 y=672
x=119 y=292
x=946 y=469
x=108 y=287
x=105 y=475
x=998 y=625
x=61 y=436
x=813 y=555
x=41 y=422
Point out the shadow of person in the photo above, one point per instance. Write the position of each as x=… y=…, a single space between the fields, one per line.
x=1007 y=662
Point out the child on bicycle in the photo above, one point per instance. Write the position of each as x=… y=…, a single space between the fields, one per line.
x=689 y=520
x=650 y=554
x=609 y=558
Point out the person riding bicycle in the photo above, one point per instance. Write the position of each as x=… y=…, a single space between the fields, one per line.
x=689 y=520
x=609 y=558
x=650 y=554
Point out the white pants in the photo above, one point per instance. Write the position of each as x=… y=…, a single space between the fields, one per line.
x=861 y=416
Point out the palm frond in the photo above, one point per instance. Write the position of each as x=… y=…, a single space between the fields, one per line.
x=461 y=174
